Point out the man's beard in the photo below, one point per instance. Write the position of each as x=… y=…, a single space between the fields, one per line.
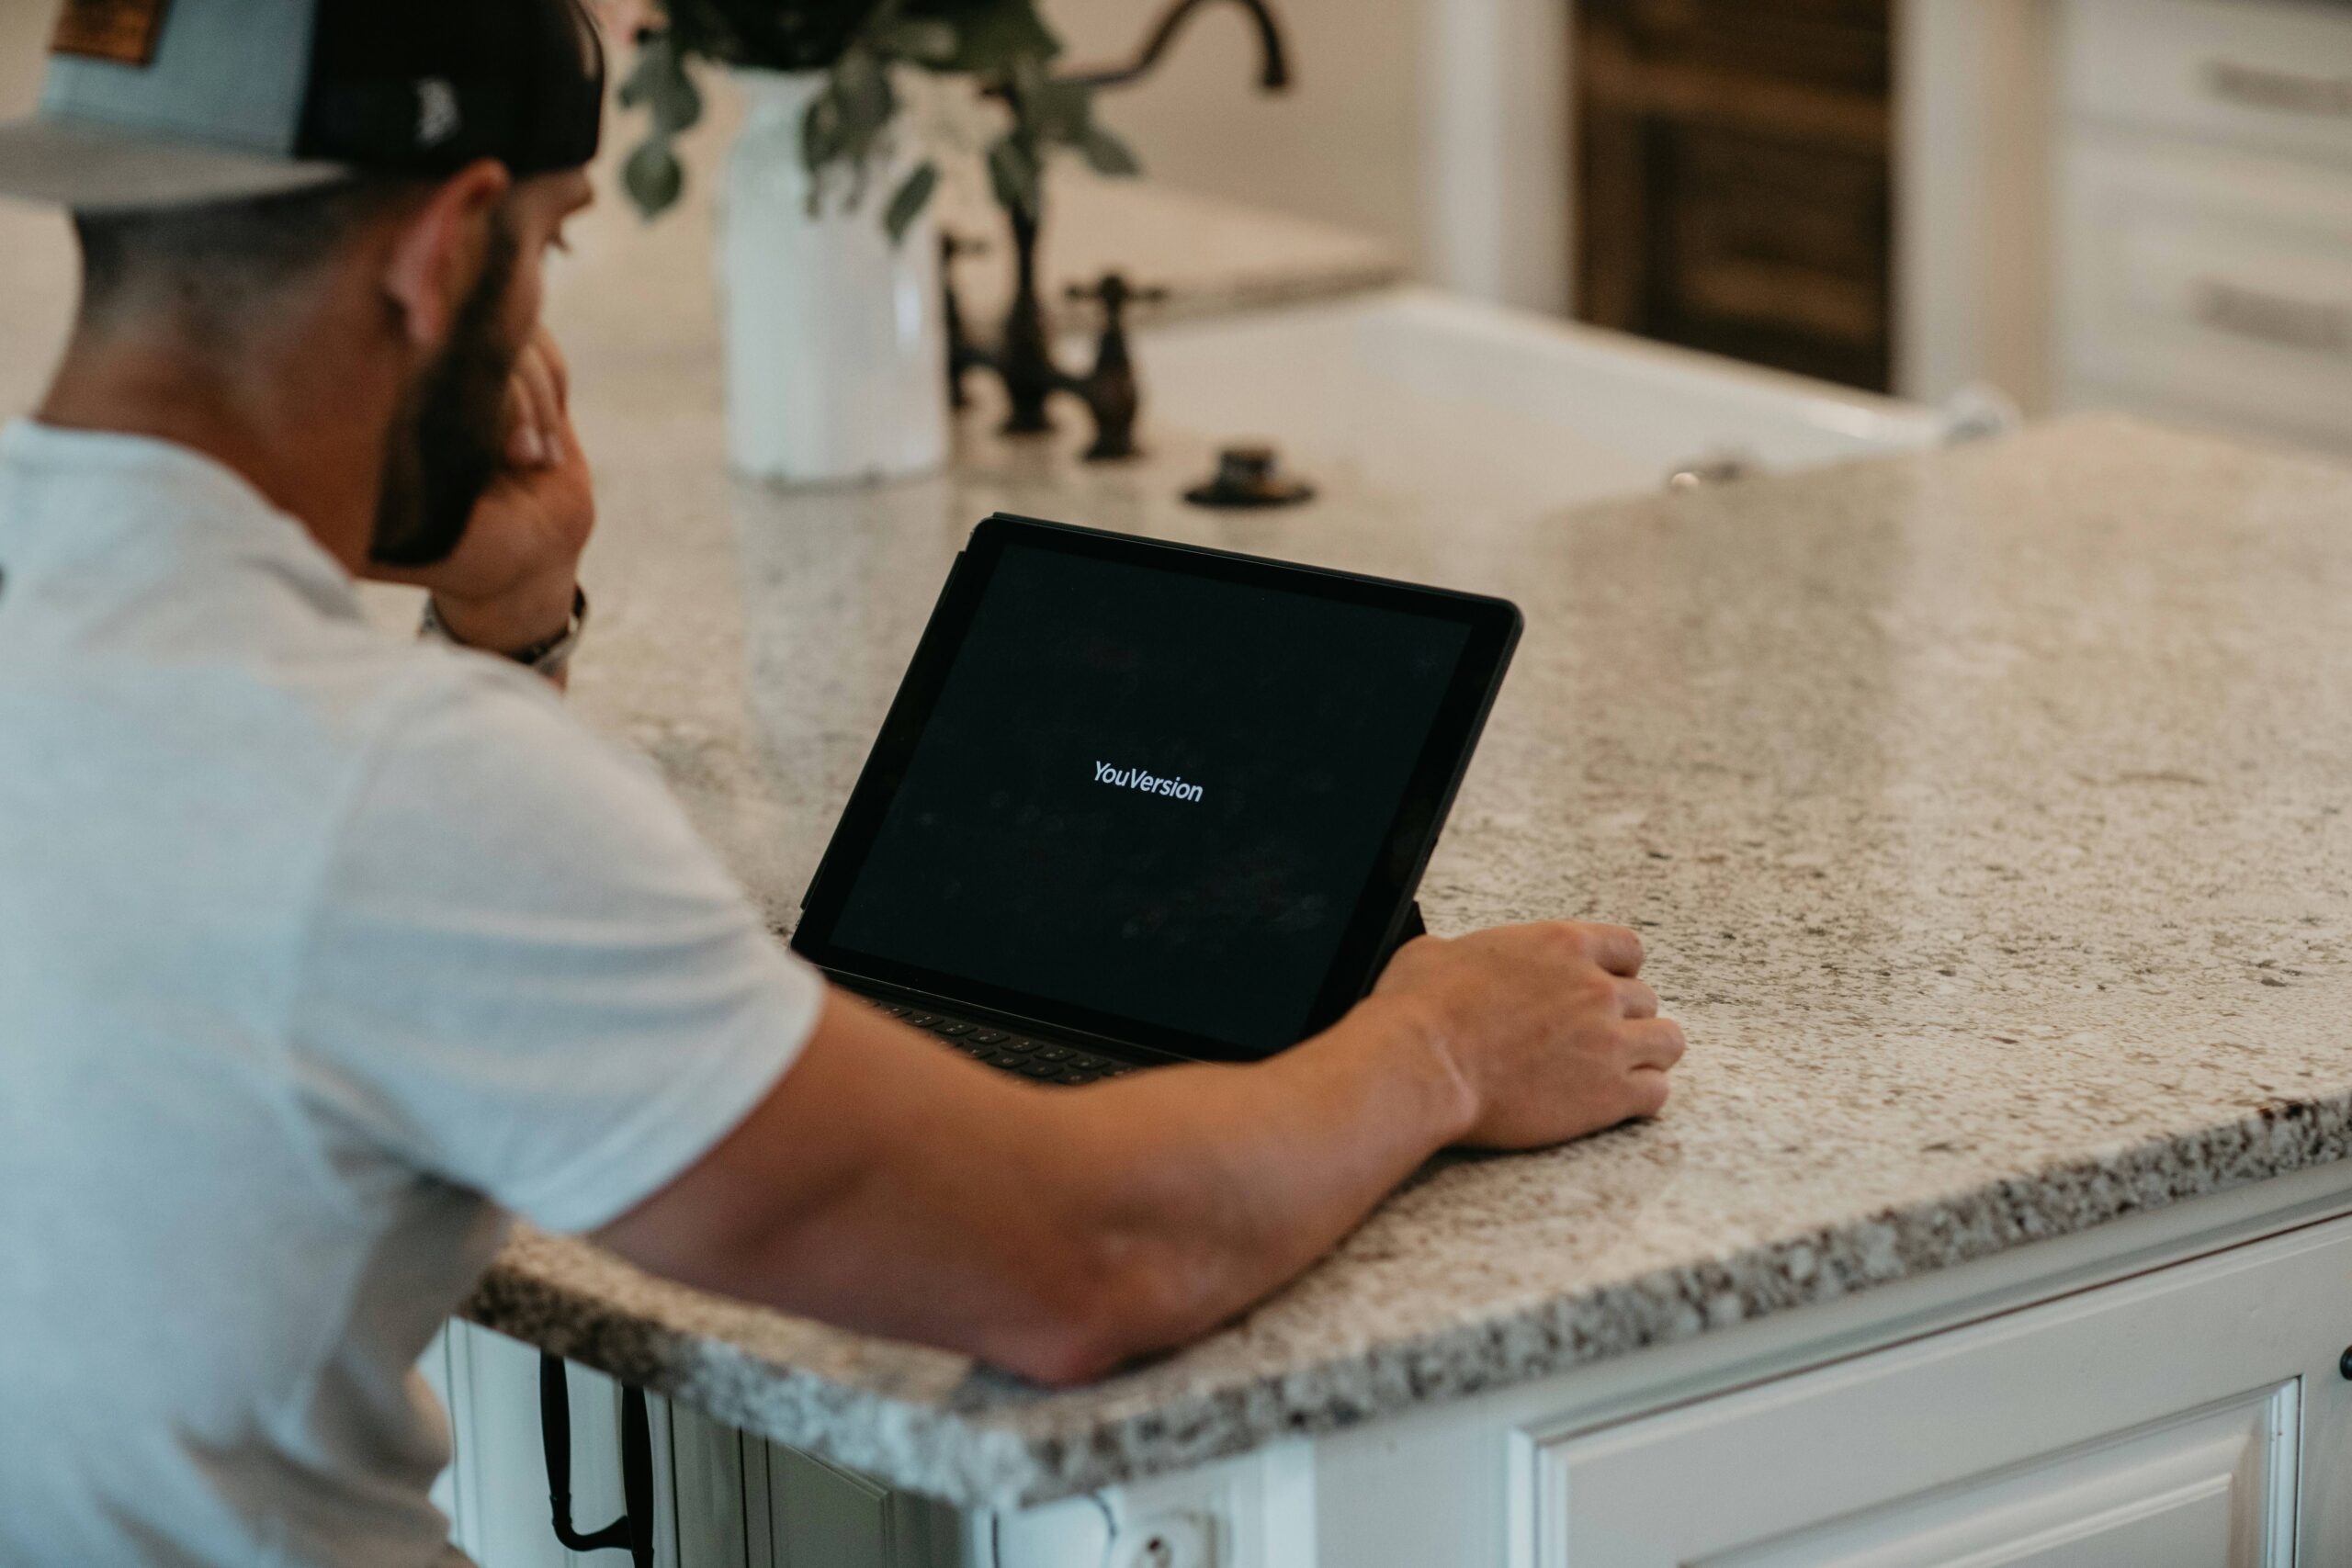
x=448 y=438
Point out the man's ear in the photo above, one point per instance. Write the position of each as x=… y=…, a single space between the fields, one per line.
x=439 y=249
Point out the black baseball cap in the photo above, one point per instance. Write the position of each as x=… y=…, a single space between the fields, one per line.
x=176 y=103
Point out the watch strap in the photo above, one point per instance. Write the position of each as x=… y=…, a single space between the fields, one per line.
x=550 y=656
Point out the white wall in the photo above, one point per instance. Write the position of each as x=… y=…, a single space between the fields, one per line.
x=1495 y=161
x=37 y=305
x=24 y=40
x=1973 y=150
x=1345 y=145
x=1440 y=126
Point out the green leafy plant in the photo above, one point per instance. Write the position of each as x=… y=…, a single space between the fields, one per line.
x=1004 y=46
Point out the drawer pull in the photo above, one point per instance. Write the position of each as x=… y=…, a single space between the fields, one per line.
x=2273 y=318
x=2282 y=92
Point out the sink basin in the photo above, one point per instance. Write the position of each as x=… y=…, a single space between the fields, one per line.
x=1417 y=390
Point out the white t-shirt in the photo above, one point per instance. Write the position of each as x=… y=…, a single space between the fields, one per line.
x=320 y=952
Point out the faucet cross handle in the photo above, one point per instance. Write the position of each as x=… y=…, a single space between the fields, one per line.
x=1109 y=390
x=1115 y=293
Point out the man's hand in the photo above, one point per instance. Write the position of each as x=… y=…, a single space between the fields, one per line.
x=1546 y=1024
x=510 y=581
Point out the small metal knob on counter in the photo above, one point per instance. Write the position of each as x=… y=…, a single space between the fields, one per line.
x=1249 y=476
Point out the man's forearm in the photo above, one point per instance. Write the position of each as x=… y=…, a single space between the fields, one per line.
x=886 y=1185
x=1208 y=1187
x=890 y=1186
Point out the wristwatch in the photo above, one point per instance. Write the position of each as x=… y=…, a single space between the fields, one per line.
x=550 y=656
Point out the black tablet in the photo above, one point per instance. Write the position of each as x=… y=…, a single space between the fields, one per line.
x=1156 y=794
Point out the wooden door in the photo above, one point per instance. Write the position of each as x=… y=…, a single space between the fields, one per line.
x=1734 y=161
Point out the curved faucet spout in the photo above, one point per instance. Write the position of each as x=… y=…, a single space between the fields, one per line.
x=1274 y=71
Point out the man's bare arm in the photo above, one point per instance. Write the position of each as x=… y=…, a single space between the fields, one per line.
x=893 y=1186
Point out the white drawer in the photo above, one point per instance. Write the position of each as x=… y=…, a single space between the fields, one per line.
x=2193 y=1417
x=2276 y=74
x=2209 y=281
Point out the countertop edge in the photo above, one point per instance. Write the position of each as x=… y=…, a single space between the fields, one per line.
x=1011 y=1457
x=918 y=1446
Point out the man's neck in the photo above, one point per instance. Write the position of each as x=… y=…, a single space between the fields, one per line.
x=309 y=440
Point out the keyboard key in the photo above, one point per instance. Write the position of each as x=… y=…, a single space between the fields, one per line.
x=951 y=1029
x=987 y=1036
x=997 y=1058
x=1083 y=1063
x=1031 y=1067
x=1075 y=1077
x=1011 y=1043
x=922 y=1019
x=1055 y=1052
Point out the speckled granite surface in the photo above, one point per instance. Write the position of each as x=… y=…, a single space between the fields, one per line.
x=1985 y=814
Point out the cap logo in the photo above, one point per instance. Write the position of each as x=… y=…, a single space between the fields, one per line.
x=122 y=32
x=437 y=118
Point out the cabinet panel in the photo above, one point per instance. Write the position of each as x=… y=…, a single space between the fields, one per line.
x=2210 y=280
x=2203 y=1491
x=806 y=1513
x=2157 y=1421
x=708 y=1492
x=820 y=1517
x=2276 y=78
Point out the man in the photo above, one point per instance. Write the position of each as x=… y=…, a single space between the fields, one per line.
x=322 y=952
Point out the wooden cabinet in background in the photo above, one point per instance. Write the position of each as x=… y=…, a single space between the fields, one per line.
x=1734 y=169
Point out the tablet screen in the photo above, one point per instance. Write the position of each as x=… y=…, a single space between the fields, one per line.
x=1153 y=799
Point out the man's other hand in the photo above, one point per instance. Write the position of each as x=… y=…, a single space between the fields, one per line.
x=509 y=583
x=1546 y=1024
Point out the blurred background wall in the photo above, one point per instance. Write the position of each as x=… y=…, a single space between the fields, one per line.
x=2143 y=204
x=1344 y=144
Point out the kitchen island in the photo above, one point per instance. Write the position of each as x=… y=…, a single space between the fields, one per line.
x=1984 y=812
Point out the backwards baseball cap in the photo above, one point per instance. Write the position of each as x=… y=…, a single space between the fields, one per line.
x=173 y=103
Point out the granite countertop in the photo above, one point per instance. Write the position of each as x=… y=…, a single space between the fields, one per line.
x=1984 y=812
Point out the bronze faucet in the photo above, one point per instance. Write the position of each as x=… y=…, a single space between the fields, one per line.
x=1022 y=358
x=1108 y=390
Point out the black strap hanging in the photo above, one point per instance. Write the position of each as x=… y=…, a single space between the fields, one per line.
x=634 y=1529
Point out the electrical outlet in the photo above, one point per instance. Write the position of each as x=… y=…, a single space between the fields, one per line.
x=1170 y=1541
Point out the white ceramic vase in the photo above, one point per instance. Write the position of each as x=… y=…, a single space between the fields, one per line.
x=836 y=353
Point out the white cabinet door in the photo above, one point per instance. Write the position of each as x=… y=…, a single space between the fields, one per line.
x=818 y=1515
x=2207 y=281
x=2275 y=77
x=2161 y=1422
x=2215 y=1488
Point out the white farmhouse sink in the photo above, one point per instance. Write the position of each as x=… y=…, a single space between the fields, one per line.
x=1415 y=390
